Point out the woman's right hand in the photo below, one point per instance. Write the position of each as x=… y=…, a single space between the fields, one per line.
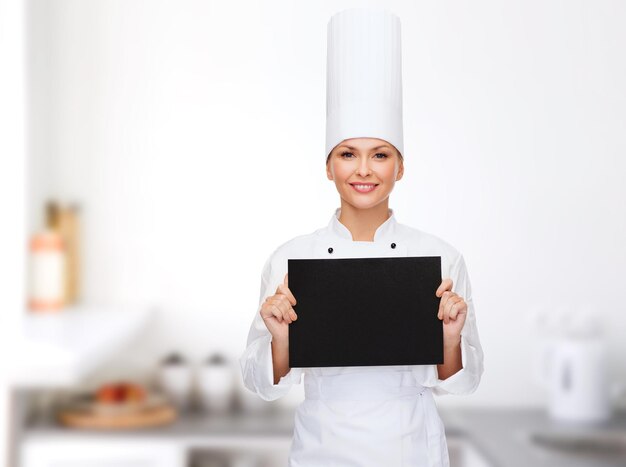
x=277 y=312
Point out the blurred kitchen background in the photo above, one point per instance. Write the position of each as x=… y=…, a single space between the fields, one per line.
x=154 y=154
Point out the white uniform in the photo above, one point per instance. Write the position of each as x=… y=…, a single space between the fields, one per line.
x=365 y=416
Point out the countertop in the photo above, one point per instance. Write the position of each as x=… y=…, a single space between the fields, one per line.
x=502 y=436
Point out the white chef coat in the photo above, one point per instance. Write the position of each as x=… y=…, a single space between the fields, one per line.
x=365 y=416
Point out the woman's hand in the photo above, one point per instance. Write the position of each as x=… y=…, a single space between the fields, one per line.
x=453 y=311
x=277 y=312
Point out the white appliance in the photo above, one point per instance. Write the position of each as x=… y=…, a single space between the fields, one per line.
x=572 y=366
x=574 y=372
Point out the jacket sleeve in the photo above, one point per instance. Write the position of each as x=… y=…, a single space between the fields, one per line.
x=256 y=361
x=466 y=380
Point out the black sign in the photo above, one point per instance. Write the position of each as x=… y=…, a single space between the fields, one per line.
x=365 y=311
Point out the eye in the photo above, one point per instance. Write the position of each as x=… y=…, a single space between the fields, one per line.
x=384 y=156
x=344 y=154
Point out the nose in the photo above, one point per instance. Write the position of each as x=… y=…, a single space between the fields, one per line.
x=363 y=168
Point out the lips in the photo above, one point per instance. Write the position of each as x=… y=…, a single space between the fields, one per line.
x=364 y=187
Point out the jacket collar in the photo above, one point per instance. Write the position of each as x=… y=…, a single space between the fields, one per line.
x=384 y=231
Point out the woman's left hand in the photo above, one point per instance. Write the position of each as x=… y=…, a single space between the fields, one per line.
x=452 y=310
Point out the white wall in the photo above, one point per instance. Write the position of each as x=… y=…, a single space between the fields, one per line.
x=192 y=134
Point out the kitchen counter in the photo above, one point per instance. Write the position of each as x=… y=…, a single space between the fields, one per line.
x=503 y=436
x=188 y=441
x=188 y=426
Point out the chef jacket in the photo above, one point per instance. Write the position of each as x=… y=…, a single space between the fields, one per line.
x=335 y=423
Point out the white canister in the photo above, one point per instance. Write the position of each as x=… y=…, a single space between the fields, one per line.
x=216 y=381
x=176 y=380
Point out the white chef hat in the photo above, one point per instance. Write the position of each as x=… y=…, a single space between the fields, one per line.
x=364 y=77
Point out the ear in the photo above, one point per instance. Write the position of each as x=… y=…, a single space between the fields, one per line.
x=400 y=170
x=329 y=173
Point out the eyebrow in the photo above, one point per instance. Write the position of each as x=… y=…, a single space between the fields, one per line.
x=373 y=149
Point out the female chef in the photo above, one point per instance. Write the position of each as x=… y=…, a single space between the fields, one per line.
x=379 y=415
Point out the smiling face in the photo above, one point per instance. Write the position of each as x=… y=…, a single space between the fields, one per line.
x=364 y=170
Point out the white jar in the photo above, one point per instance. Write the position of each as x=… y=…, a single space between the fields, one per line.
x=216 y=381
x=176 y=381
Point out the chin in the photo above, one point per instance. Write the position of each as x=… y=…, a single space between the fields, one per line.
x=363 y=204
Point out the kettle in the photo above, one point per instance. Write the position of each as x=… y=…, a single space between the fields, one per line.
x=574 y=372
x=572 y=366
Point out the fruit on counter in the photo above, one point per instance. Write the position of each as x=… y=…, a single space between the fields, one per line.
x=120 y=392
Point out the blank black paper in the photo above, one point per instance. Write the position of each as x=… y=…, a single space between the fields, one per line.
x=365 y=312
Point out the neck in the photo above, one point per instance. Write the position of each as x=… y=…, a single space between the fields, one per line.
x=362 y=223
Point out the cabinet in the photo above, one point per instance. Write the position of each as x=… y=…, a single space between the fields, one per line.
x=194 y=440
x=101 y=452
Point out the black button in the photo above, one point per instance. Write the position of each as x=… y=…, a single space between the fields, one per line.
x=330 y=250
x=393 y=245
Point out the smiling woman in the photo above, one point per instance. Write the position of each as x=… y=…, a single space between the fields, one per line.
x=367 y=415
x=365 y=172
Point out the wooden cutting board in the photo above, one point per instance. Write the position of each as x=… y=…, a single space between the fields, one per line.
x=150 y=416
